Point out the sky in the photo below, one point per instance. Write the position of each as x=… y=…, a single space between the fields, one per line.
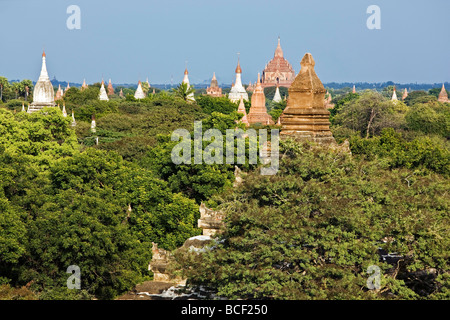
x=127 y=41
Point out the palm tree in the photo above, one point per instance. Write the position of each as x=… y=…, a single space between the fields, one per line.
x=183 y=91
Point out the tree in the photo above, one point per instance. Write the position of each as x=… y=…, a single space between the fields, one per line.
x=425 y=118
x=313 y=230
x=183 y=91
x=216 y=104
x=370 y=113
x=418 y=96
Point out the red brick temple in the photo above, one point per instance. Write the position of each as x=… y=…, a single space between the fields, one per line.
x=278 y=71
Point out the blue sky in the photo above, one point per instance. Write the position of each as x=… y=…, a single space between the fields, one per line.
x=131 y=40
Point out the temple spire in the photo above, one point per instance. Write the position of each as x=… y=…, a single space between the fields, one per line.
x=241 y=109
x=277 y=96
x=186 y=80
x=305 y=116
x=84 y=85
x=139 y=94
x=443 y=96
x=58 y=93
x=405 y=94
x=44 y=73
x=237 y=89
x=278 y=50
x=258 y=112
x=103 y=95
x=74 y=123
x=394 y=95
x=110 y=88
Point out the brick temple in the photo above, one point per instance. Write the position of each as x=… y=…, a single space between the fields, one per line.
x=278 y=71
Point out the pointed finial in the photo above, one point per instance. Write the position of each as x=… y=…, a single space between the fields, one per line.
x=238 y=68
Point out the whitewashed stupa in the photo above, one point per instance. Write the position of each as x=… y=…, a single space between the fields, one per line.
x=103 y=95
x=238 y=90
x=43 y=94
x=139 y=94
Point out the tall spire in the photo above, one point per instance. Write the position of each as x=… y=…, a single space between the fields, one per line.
x=278 y=50
x=354 y=89
x=238 y=68
x=44 y=73
x=64 y=111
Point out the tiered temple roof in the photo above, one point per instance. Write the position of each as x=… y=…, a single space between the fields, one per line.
x=59 y=93
x=278 y=70
x=214 y=89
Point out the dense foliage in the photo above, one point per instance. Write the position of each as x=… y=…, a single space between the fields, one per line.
x=62 y=207
x=311 y=231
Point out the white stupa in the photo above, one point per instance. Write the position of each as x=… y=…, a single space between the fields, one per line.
x=186 y=80
x=139 y=94
x=394 y=95
x=103 y=95
x=43 y=94
x=277 y=96
x=238 y=90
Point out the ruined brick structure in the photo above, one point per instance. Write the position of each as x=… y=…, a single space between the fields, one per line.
x=305 y=116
